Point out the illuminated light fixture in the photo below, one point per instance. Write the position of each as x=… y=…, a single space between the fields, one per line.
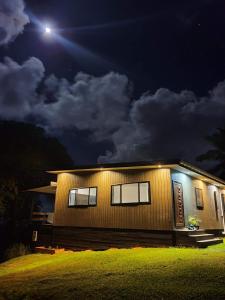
x=159 y=166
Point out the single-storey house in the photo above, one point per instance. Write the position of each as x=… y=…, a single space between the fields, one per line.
x=133 y=204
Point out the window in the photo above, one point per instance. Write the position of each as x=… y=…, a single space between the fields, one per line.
x=216 y=205
x=131 y=193
x=83 y=197
x=223 y=204
x=199 y=198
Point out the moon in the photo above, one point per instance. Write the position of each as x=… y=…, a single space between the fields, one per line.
x=48 y=30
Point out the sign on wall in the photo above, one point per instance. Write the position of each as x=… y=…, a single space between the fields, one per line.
x=178 y=204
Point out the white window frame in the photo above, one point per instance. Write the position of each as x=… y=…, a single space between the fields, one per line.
x=83 y=205
x=138 y=202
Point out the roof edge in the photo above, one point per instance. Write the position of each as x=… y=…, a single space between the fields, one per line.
x=200 y=171
x=172 y=162
x=118 y=165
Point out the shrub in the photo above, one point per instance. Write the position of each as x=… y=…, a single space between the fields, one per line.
x=16 y=250
x=193 y=221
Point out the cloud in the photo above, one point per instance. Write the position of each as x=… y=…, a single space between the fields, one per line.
x=168 y=125
x=18 y=85
x=98 y=104
x=158 y=125
x=12 y=20
x=163 y=124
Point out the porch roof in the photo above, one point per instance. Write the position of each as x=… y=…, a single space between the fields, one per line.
x=47 y=189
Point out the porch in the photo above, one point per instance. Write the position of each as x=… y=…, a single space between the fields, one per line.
x=200 y=238
x=76 y=239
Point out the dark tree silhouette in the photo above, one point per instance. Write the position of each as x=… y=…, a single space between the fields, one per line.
x=217 y=153
x=26 y=152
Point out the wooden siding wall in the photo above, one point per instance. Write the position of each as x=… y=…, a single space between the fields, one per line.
x=154 y=216
x=207 y=215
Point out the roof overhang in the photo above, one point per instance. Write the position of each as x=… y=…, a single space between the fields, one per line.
x=178 y=165
x=200 y=174
x=47 y=189
x=117 y=166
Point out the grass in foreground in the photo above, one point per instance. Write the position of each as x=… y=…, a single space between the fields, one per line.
x=153 y=273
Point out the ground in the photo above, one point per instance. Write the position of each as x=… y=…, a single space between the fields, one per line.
x=138 y=273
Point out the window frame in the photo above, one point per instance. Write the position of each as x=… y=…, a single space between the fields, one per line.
x=222 y=197
x=202 y=199
x=215 y=197
x=83 y=206
x=131 y=203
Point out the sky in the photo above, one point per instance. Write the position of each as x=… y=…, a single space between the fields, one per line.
x=117 y=80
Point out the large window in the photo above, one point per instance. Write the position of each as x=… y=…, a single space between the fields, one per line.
x=131 y=193
x=83 y=197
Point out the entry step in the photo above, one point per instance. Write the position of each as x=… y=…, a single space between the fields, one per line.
x=200 y=237
x=209 y=242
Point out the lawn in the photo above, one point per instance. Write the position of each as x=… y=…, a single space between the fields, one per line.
x=138 y=273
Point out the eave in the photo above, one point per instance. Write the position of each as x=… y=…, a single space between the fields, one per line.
x=178 y=165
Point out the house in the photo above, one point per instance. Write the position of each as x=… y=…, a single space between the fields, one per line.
x=133 y=204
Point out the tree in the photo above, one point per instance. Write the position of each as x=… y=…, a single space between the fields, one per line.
x=26 y=152
x=217 y=153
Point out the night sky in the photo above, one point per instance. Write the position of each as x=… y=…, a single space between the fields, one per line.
x=116 y=80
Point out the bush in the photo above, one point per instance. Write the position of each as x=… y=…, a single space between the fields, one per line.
x=16 y=250
x=193 y=223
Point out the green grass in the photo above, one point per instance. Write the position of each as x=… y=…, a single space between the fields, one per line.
x=151 y=273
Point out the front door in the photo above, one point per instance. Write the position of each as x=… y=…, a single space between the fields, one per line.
x=178 y=204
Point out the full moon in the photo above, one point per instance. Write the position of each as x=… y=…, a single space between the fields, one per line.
x=48 y=30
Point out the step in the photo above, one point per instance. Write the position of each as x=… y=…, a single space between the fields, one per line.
x=196 y=232
x=185 y=230
x=200 y=237
x=209 y=242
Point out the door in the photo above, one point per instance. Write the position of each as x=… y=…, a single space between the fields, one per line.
x=178 y=204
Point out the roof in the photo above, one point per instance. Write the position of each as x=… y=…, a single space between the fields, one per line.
x=47 y=189
x=178 y=165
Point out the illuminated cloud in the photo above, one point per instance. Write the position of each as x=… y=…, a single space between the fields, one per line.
x=18 y=85
x=12 y=20
x=168 y=125
x=163 y=124
x=97 y=104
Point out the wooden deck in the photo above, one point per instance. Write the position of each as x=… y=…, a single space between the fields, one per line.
x=100 y=239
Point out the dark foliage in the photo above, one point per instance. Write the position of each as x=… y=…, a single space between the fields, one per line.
x=26 y=153
x=217 y=153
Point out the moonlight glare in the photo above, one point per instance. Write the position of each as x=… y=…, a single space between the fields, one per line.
x=48 y=30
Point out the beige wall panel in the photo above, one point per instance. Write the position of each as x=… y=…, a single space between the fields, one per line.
x=155 y=216
x=206 y=215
